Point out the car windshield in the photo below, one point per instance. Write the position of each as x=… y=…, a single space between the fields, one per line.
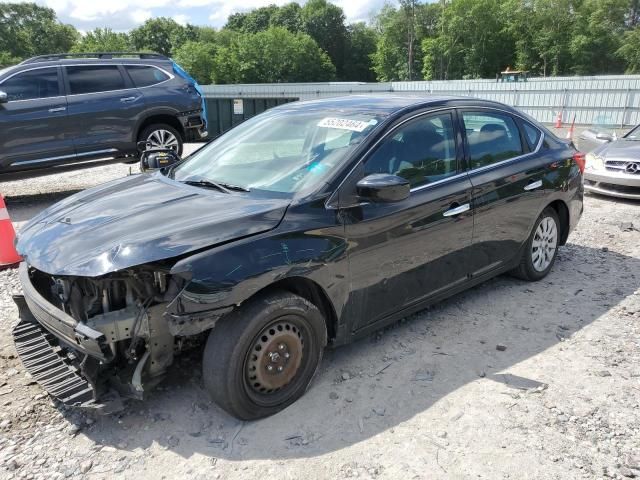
x=283 y=151
x=634 y=134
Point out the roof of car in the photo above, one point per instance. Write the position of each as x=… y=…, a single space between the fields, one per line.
x=387 y=104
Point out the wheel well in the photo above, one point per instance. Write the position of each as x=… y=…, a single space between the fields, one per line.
x=563 y=215
x=162 y=118
x=312 y=292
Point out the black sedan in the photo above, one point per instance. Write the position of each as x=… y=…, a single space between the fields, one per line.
x=309 y=225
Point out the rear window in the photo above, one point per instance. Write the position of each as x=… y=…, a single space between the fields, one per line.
x=145 y=76
x=532 y=134
x=94 y=78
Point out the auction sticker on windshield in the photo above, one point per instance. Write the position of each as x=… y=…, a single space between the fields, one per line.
x=344 y=124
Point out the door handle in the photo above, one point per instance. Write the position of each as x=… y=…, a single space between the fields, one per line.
x=457 y=210
x=533 y=185
x=57 y=109
x=128 y=99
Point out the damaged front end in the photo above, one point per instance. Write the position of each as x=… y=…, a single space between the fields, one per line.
x=90 y=341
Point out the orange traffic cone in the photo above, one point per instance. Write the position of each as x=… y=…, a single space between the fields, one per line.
x=570 y=132
x=559 y=119
x=8 y=254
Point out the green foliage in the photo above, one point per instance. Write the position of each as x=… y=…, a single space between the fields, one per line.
x=357 y=62
x=103 y=40
x=197 y=58
x=629 y=52
x=161 y=35
x=272 y=55
x=417 y=39
x=27 y=29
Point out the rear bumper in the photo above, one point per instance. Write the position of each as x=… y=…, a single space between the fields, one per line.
x=194 y=124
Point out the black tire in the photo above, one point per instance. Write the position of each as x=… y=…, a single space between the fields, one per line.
x=147 y=131
x=231 y=354
x=526 y=270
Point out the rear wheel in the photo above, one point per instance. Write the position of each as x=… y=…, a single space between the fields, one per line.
x=262 y=357
x=161 y=135
x=541 y=249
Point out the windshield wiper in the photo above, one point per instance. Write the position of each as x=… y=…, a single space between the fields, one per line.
x=207 y=184
x=231 y=186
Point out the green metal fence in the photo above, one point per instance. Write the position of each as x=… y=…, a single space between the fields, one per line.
x=224 y=113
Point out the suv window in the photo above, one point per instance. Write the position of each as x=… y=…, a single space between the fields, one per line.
x=422 y=151
x=492 y=137
x=145 y=76
x=94 y=78
x=38 y=83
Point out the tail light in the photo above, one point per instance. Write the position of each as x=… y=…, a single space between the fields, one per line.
x=580 y=159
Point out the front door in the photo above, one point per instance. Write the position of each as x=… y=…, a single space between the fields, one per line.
x=34 y=127
x=402 y=253
x=507 y=176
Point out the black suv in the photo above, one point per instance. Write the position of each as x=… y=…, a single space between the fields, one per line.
x=68 y=111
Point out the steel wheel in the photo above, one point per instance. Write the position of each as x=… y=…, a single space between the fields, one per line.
x=544 y=244
x=275 y=357
x=162 y=138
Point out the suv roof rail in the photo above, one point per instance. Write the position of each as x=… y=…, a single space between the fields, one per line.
x=96 y=55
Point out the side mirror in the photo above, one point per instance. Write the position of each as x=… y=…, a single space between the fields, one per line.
x=158 y=158
x=383 y=188
x=4 y=98
x=605 y=137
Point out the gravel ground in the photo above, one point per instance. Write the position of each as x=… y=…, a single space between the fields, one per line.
x=507 y=380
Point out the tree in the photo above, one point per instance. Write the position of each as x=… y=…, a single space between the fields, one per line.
x=254 y=21
x=197 y=58
x=288 y=16
x=324 y=22
x=629 y=52
x=361 y=45
x=103 y=40
x=273 y=55
x=27 y=29
x=162 y=35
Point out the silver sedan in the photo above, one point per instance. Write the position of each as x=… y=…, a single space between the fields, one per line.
x=613 y=167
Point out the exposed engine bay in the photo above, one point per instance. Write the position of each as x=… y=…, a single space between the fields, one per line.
x=129 y=310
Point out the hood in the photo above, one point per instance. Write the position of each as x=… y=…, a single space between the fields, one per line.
x=137 y=220
x=623 y=149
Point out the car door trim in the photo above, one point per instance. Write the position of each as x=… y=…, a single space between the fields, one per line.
x=61 y=157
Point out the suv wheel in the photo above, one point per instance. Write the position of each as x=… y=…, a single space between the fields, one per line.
x=162 y=136
x=262 y=357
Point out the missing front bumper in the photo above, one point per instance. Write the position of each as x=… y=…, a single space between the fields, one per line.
x=60 y=373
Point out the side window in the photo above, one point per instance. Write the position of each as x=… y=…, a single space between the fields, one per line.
x=145 y=76
x=422 y=151
x=492 y=137
x=94 y=78
x=38 y=83
x=532 y=134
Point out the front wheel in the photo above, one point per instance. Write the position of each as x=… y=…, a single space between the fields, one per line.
x=541 y=249
x=262 y=357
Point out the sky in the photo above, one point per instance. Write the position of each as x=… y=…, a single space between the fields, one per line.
x=119 y=15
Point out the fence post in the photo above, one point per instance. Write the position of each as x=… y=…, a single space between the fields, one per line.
x=626 y=107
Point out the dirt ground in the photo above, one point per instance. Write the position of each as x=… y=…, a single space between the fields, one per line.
x=508 y=380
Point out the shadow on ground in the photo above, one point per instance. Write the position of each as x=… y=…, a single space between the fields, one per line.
x=377 y=384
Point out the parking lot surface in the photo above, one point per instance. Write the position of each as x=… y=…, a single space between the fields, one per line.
x=507 y=380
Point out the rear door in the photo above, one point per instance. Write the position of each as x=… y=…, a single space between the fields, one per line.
x=34 y=127
x=402 y=253
x=104 y=107
x=507 y=177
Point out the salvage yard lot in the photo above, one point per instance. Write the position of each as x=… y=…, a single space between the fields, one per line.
x=507 y=380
